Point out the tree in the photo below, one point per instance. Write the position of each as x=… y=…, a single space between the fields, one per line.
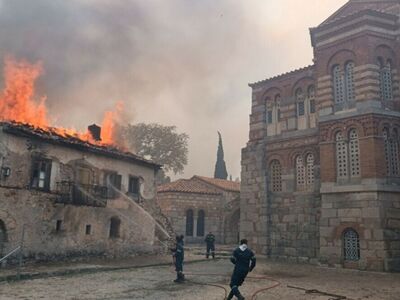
x=220 y=166
x=161 y=144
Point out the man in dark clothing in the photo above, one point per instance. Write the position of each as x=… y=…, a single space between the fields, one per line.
x=210 y=241
x=179 y=254
x=245 y=261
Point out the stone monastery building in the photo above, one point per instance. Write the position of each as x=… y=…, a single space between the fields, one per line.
x=64 y=197
x=321 y=170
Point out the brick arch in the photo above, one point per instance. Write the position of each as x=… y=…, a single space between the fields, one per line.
x=293 y=156
x=303 y=83
x=388 y=124
x=341 y=58
x=355 y=125
x=271 y=93
x=333 y=131
x=386 y=52
x=340 y=229
x=312 y=151
x=277 y=157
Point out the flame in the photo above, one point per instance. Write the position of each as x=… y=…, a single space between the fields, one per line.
x=17 y=104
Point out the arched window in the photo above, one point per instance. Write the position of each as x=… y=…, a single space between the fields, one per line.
x=338 y=85
x=278 y=107
x=349 y=81
x=300 y=173
x=351 y=245
x=385 y=79
x=300 y=102
x=341 y=156
x=310 y=170
x=268 y=111
x=189 y=222
x=200 y=222
x=115 y=224
x=354 y=154
x=394 y=149
x=391 y=141
x=311 y=99
x=276 y=176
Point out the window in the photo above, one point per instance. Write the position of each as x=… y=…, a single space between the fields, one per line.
x=341 y=156
x=385 y=79
x=58 y=225
x=310 y=170
x=189 y=222
x=311 y=98
x=88 y=229
x=41 y=172
x=349 y=80
x=115 y=224
x=200 y=223
x=354 y=154
x=351 y=245
x=348 y=156
x=338 y=86
x=133 y=185
x=278 y=107
x=300 y=102
x=391 y=140
x=276 y=176
x=113 y=184
x=3 y=236
x=269 y=117
x=300 y=173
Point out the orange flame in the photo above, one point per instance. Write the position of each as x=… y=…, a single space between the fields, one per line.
x=17 y=103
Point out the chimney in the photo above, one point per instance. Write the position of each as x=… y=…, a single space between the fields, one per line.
x=95 y=131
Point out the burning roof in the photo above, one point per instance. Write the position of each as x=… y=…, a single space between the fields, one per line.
x=56 y=136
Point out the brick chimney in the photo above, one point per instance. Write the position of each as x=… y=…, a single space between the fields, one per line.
x=95 y=131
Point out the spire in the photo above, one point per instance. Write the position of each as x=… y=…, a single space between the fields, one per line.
x=220 y=166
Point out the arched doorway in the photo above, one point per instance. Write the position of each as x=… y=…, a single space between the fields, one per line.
x=3 y=237
x=232 y=228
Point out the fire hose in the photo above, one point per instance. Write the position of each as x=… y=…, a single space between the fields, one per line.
x=253 y=296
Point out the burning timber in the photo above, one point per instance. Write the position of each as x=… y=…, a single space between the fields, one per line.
x=73 y=198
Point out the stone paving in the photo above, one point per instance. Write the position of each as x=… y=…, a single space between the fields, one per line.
x=156 y=283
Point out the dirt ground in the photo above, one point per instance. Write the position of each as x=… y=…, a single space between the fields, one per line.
x=156 y=283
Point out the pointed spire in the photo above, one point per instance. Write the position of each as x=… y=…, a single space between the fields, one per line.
x=220 y=166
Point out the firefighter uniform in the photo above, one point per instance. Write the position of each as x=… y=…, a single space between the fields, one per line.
x=179 y=256
x=245 y=261
x=210 y=241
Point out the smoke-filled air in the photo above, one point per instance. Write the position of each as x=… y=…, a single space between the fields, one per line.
x=69 y=64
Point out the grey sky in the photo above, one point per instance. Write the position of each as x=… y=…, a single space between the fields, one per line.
x=176 y=62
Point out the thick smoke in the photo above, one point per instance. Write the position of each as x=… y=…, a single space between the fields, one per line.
x=176 y=62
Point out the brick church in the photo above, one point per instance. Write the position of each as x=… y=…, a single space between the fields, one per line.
x=321 y=170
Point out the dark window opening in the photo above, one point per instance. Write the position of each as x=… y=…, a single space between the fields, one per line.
x=189 y=222
x=88 y=230
x=115 y=224
x=200 y=223
x=133 y=185
x=312 y=106
x=269 y=117
x=41 y=172
x=113 y=183
x=3 y=236
x=300 y=108
x=59 y=225
x=351 y=245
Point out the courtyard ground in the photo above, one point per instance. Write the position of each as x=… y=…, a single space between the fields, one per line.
x=155 y=282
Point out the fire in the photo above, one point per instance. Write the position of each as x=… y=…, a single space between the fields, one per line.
x=17 y=103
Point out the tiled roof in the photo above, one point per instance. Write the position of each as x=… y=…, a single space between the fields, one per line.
x=52 y=137
x=187 y=186
x=304 y=69
x=227 y=185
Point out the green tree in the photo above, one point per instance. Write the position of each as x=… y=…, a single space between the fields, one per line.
x=161 y=144
x=220 y=166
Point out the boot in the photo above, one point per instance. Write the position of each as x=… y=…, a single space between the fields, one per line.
x=239 y=296
x=230 y=296
x=179 y=277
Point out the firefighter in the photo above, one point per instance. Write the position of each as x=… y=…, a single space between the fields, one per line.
x=178 y=255
x=245 y=261
x=210 y=241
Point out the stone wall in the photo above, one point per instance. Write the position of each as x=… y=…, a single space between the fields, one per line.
x=56 y=228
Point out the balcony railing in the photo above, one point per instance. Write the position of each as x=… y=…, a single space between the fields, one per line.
x=81 y=194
